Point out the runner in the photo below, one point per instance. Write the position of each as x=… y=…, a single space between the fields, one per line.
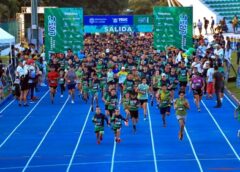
x=112 y=102
x=98 y=121
x=133 y=105
x=181 y=106
x=164 y=100
x=116 y=120
x=142 y=91
x=95 y=85
x=61 y=82
x=155 y=82
x=197 y=85
x=53 y=82
x=71 y=78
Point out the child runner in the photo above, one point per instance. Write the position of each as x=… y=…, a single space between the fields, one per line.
x=164 y=99
x=237 y=116
x=98 y=121
x=181 y=106
x=116 y=120
x=53 y=82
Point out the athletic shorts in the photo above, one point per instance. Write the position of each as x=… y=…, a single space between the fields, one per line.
x=155 y=89
x=99 y=129
x=164 y=110
x=183 y=83
x=71 y=86
x=143 y=101
x=111 y=112
x=181 y=117
x=54 y=87
x=134 y=114
x=197 y=92
x=210 y=88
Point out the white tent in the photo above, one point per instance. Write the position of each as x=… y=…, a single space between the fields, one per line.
x=6 y=38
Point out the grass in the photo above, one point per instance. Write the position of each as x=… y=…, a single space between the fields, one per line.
x=231 y=86
x=4 y=59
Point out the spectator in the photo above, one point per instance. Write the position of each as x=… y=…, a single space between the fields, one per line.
x=235 y=23
x=199 y=25
x=212 y=25
x=206 y=23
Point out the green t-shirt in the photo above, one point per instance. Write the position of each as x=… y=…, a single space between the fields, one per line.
x=165 y=99
x=133 y=104
x=180 y=108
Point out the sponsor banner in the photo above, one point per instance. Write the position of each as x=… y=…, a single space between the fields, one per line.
x=143 y=20
x=63 y=30
x=108 y=20
x=172 y=27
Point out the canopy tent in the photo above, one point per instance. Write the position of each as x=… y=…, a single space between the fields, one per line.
x=6 y=38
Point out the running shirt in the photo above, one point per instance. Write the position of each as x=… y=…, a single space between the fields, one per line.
x=71 y=76
x=197 y=83
x=133 y=104
x=156 y=80
x=98 y=120
x=112 y=102
x=122 y=76
x=143 y=91
x=180 y=108
x=117 y=121
x=182 y=77
x=53 y=79
x=164 y=99
x=110 y=76
x=173 y=79
x=125 y=103
x=128 y=85
x=95 y=85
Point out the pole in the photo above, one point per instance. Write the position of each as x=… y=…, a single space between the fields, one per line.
x=34 y=23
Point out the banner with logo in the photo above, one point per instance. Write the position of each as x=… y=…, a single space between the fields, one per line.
x=108 y=20
x=63 y=30
x=172 y=27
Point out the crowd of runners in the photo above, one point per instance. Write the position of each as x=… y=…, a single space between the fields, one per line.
x=125 y=69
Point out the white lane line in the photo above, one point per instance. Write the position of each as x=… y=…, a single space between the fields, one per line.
x=115 y=144
x=193 y=150
x=230 y=101
x=78 y=142
x=118 y=162
x=219 y=128
x=45 y=135
x=7 y=106
x=152 y=140
x=23 y=120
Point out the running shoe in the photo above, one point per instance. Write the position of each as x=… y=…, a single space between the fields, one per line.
x=72 y=102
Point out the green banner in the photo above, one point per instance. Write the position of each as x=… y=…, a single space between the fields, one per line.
x=172 y=27
x=63 y=30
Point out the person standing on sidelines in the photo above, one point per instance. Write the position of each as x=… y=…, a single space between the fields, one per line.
x=218 y=82
x=71 y=78
x=53 y=82
x=142 y=91
x=98 y=121
x=237 y=116
x=181 y=106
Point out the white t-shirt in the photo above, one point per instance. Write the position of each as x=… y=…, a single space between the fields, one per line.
x=20 y=71
x=210 y=73
x=198 y=66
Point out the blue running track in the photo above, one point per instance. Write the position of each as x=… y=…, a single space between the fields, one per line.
x=60 y=137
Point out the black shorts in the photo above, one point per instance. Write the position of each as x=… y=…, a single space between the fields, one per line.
x=183 y=83
x=111 y=112
x=54 y=87
x=143 y=101
x=197 y=92
x=165 y=110
x=71 y=86
x=155 y=89
x=134 y=113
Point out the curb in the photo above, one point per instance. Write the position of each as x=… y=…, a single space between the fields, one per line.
x=232 y=97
